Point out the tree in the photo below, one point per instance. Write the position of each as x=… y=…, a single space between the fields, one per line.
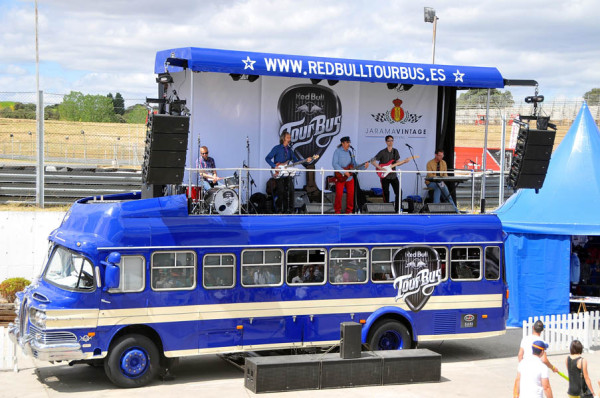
x=592 y=97
x=478 y=97
x=86 y=108
x=136 y=114
x=119 y=104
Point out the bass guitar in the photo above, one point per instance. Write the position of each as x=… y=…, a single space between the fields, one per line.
x=386 y=168
x=341 y=177
x=285 y=169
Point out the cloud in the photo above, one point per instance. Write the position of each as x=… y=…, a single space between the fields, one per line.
x=112 y=44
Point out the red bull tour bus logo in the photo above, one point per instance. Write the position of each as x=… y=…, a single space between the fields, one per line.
x=416 y=271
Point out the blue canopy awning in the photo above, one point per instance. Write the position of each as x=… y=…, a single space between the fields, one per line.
x=265 y=64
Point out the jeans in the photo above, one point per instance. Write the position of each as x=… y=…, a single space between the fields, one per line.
x=440 y=191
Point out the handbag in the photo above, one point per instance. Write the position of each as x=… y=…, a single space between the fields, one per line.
x=585 y=391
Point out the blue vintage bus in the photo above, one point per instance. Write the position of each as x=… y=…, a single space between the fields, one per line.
x=135 y=282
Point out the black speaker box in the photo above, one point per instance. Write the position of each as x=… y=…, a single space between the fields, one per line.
x=379 y=208
x=350 y=344
x=337 y=372
x=166 y=149
x=532 y=156
x=440 y=208
x=282 y=373
x=170 y=124
x=411 y=366
x=315 y=208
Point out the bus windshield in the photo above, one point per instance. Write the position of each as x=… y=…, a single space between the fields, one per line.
x=70 y=270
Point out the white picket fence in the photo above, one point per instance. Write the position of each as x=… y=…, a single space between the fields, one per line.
x=8 y=352
x=561 y=330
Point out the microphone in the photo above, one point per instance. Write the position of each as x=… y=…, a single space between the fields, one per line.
x=352 y=147
x=408 y=146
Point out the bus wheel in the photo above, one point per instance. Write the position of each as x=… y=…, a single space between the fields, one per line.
x=133 y=361
x=390 y=335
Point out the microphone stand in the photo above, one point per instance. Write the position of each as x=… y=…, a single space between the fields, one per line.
x=356 y=206
x=416 y=166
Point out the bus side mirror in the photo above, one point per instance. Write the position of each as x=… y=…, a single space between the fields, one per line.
x=112 y=273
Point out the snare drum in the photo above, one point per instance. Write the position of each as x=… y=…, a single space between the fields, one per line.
x=222 y=200
x=231 y=182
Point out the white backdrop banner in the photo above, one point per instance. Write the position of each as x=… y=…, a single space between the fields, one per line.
x=240 y=121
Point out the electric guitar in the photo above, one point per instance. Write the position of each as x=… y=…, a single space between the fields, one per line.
x=282 y=169
x=386 y=168
x=341 y=177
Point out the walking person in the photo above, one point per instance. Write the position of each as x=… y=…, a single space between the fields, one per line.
x=580 y=384
x=527 y=341
x=532 y=375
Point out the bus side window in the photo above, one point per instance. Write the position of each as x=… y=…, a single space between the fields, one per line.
x=173 y=270
x=443 y=257
x=218 y=271
x=133 y=271
x=465 y=263
x=348 y=265
x=492 y=263
x=305 y=266
x=262 y=267
x=381 y=264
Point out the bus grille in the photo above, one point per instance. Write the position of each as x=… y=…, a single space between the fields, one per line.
x=444 y=324
x=52 y=337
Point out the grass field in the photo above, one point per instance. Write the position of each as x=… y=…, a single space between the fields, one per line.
x=78 y=141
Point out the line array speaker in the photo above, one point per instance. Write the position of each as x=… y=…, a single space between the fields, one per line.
x=166 y=149
x=532 y=156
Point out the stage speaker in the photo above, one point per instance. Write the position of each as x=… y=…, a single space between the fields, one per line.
x=532 y=156
x=315 y=208
x=166 y=149
x=350 y=344
x=282 y=373
x=411 y=366
x=440 y=208
x=379 y=208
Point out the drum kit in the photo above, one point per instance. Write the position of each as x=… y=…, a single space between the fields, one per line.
x=221 y=199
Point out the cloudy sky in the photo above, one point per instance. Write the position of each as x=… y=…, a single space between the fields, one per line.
x=104 y=46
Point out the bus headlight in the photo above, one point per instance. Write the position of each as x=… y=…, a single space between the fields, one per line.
x=38 y=318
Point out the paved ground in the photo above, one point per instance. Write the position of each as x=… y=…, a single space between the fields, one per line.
x=477 y=368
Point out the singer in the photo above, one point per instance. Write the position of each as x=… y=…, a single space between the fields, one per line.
x=344 y=159
x=388 y=159
x=279 y=157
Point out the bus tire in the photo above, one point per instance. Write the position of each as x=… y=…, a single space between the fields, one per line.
x=133 y=361
x=390 y=335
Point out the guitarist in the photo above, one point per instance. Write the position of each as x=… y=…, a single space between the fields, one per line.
x=343 y=159
x=389 y=156
x=282 y=154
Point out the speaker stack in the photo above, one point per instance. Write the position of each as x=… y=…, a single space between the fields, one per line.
x=166 y=149
x=532 y=156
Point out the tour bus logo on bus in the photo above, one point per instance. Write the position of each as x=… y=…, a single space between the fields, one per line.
x=312 y=114
x=416 y=271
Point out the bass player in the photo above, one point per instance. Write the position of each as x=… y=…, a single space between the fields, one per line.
x=343 y=159
x=389 y=157
x=282 y=154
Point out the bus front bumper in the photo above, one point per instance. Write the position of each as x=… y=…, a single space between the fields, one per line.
x=34 y=347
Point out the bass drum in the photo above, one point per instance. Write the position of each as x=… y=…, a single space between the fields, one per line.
x=222 y=201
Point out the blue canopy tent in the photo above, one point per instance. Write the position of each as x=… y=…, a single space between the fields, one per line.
x=539 y=225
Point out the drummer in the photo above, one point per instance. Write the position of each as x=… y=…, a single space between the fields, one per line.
x=208 y=178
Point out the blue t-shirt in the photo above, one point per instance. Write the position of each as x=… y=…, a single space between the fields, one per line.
x=281 y=154
x=342 y=159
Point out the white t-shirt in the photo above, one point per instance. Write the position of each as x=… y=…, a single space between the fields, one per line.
x=527 y=343
x=532 y=371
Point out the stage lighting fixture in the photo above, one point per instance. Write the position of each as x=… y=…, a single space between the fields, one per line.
x=252 y=78
x=315 y=81
x=164 y=78
x=534 y=99
x=235 y=76
x=332 y=82
x=392 y=86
